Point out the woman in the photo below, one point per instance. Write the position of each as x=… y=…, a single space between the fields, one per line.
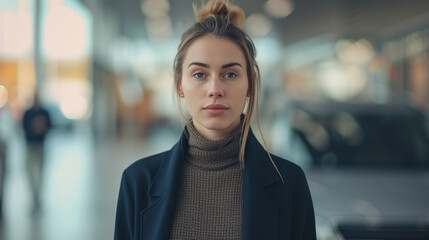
x=217 y=182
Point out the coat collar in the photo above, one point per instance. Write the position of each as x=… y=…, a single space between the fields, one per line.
x=156 y=220
x=260 y=211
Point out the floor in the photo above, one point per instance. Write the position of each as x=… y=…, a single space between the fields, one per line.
x=80 y=183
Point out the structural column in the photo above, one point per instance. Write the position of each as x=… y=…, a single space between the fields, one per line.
x=37 y=46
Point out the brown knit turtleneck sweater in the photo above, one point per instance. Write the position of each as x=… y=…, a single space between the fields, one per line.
x=210 y=192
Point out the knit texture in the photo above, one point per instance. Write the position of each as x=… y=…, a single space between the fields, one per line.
x=210 y=192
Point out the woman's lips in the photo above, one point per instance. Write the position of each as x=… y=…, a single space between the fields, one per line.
x=215 y=109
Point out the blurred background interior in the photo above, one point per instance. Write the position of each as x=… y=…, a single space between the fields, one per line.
x=103 y=70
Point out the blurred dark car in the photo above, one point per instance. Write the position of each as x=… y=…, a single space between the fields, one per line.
x=367 y=167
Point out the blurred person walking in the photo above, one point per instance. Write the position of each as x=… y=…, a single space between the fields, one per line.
x=36 y=124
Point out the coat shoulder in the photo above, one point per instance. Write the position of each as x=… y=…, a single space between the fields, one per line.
x=144 y=169
x=288 y=169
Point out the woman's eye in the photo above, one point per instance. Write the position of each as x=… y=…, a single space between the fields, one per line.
x=199 y=75
x=230 y=75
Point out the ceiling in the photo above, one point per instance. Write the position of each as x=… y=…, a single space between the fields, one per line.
x=375 y=19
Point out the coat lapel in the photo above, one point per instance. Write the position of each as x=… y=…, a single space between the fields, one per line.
x=156 y=220
x=260 y=210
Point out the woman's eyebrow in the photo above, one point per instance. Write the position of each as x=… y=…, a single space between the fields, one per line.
x=199 y=64
x=231 y=64
x=208 y=66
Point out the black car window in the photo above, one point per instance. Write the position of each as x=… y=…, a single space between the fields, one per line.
x=366 y=139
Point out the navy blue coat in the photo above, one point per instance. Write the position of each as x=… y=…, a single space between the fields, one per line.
x=271 y=209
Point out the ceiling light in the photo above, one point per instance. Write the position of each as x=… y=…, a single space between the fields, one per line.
x=155 y=8
x=258 y=25
x=279 y=8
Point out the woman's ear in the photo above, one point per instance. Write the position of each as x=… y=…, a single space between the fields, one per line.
x=180 y=90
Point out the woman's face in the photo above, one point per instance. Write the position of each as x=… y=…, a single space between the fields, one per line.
x=214 y=85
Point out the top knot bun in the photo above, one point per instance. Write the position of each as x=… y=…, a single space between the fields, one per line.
x=234 y=14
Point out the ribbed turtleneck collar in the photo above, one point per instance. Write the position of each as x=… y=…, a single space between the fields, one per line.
x=213 y=154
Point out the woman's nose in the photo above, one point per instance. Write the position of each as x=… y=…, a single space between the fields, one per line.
x=215 y=89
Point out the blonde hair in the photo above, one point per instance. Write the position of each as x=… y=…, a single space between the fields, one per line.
x=221 y=19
